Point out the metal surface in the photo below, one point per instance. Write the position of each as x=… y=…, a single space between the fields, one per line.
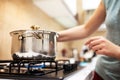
x=33 y=44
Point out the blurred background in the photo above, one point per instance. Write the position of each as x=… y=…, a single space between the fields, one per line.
x=54 y=15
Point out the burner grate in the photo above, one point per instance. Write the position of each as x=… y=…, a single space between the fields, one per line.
x=26 y=69
x=30 y=67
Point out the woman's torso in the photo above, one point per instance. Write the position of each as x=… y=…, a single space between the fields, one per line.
x=109 y=68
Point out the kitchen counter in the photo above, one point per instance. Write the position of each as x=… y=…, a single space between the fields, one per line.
x=85 y=73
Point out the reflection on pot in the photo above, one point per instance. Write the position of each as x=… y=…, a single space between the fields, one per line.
x=32 y=44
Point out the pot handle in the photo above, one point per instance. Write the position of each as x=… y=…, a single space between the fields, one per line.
x=57 y=36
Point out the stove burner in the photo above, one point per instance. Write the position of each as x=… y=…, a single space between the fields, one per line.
x=32 y=67
x=52 y=70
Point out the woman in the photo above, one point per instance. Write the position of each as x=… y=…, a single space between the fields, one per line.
x=108 y=65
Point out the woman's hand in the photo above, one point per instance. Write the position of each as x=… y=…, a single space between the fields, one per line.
x=100 y=45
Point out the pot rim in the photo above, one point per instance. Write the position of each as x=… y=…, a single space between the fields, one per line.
x=15 y=32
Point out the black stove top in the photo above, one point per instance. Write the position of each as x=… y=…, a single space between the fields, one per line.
x=36 y=70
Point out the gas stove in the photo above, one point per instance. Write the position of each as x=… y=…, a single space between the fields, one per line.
x=36 y=69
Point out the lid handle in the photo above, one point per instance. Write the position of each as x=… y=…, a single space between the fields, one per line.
x=35 y=27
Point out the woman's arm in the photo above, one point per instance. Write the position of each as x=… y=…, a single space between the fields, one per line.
x=88 y=28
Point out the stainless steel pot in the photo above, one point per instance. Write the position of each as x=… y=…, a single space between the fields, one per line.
x=33 y=44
